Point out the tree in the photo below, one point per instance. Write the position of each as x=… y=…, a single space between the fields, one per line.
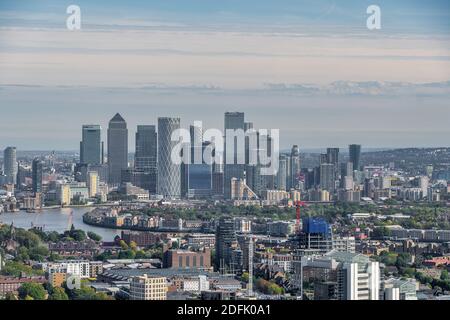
x=133 y=246
x=58 y=294
x=140 y=254
x=78 y=235
x=15 y=269
x=10 y=296
x=94 y=236
x=38 y=253
x=127 y=254
x=88 y=293
x=32 y=290
x=123 y=245
x=444 y=275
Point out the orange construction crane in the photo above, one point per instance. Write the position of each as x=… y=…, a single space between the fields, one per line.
x=298 y=205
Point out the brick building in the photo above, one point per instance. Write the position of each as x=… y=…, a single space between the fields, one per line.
x=185 y=259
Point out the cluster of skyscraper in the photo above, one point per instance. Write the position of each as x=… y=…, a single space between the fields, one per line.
x=154 y=169
x=12 y=171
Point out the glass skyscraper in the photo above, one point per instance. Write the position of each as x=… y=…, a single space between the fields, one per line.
x=37 y=174
x=10 y=164
x=169 y=173
x=146 y=148
x=355 y=155
x=91 y=145
x=117 y=148
x=234 y=121
x=294 y=167
x=145 y=159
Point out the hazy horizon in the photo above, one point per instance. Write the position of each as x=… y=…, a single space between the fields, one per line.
x=309 y=68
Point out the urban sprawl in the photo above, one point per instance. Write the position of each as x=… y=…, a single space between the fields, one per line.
x=347 y=224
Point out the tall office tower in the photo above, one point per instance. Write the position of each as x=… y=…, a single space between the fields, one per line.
x=346 y=173
x=295 y=167
x=281 y=175
x=233 y=121
x=144 y=174
x=308 y=173
x=333 y=156
x=196 y=146
x=288 y=171
x=347 y=169
x=146 y=156
x=327 y=177
x=196 y=175
x=37 y=174
x=169 y=173
x=217 y=178
x=258 y=176
x=10 y=165
x=355 y=155
x=225 y=236
x=117 y=148
x=91 y=145
x=22 y=174
x=323 y=158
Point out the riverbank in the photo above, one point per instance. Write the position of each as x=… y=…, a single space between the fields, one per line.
x=57 y=219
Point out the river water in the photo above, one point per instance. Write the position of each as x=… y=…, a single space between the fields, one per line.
x=56 y=220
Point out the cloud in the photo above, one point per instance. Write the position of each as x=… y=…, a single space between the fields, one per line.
x=364 y=88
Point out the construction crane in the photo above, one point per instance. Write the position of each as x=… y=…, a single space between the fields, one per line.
x=298 y=205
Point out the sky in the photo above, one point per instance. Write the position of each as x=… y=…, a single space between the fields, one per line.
x=309 y=68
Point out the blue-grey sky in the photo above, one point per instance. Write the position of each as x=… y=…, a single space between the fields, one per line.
x=310 y=68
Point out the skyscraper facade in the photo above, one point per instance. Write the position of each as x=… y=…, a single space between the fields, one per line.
x=225 y=236
x=233 y=121
x=117 y=148
x=295 y=167
x=145 y=173
x=91 y=145
x=169 y=173
x=10 y=165
x=355 y=155
x=145 y=158
x=281 y=175
x=333 y=156
x=327 y=177
x=37 y=175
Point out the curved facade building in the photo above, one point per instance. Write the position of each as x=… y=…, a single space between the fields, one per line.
x=169 y=174
x=10 y=164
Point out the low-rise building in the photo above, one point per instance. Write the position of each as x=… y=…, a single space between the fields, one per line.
x=148 y=288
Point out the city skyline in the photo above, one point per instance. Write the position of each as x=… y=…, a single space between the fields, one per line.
x=134 y=127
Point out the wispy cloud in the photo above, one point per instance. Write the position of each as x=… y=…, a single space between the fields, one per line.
x=364 y=88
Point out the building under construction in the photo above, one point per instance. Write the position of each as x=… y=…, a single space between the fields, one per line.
x=315 y=235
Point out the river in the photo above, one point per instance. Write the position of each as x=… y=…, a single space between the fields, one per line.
x=56 y=220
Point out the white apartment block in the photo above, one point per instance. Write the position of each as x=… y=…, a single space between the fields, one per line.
x=78 y=268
